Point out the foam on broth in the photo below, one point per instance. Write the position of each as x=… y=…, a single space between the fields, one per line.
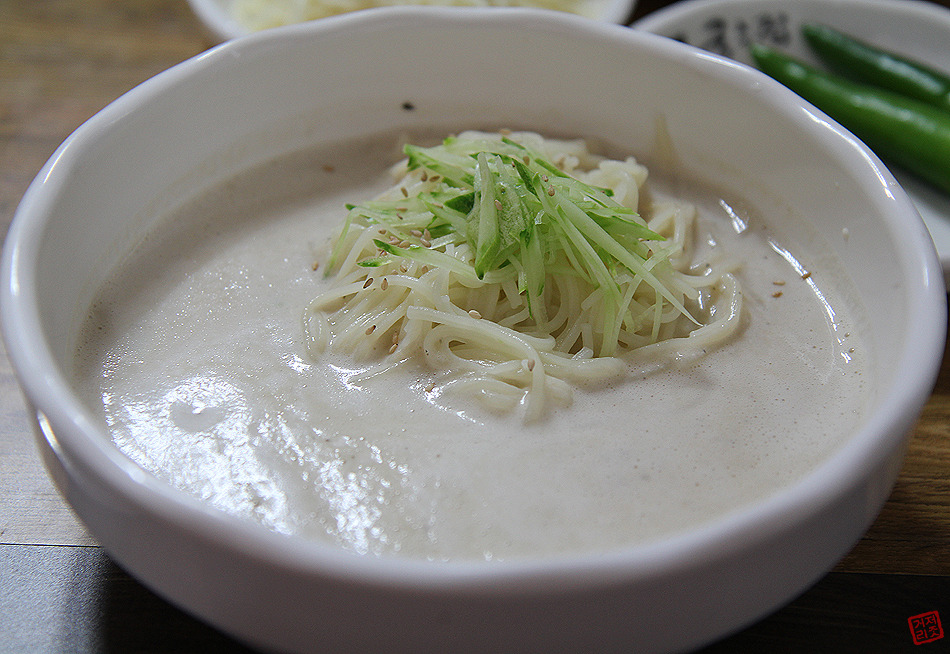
x=193 y=355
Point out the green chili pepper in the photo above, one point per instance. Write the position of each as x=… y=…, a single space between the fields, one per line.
x=902 y=130
x=863 y=62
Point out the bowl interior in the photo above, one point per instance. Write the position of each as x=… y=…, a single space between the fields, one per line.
x=674 y=108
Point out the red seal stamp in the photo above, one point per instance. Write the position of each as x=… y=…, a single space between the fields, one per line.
x=926 y=627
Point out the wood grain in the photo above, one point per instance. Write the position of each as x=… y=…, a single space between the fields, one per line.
x=63 y=60
x=912 y=532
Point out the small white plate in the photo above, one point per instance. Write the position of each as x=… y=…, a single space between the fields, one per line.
x=917 y=29
x=222 y=25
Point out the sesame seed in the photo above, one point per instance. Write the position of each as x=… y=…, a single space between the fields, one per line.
x=551 y=191
x=370 y=329
x=498 y=204
x=393 y=348
x=316 y=264
x=383 y=285
x=416 y=233
x=405 y=193
x=474 y=314
x=368 y=283
x=806 y=275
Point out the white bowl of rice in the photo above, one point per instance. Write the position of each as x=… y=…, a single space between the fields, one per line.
x=228 y=19
x=570 y=334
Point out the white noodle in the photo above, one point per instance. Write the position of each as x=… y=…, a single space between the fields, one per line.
x=479 y=333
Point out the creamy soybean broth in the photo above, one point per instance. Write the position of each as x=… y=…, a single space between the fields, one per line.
x=193 y=356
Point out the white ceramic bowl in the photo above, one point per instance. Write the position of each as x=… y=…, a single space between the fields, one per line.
x=253 y=98
x=917 y=29
x=222 y=24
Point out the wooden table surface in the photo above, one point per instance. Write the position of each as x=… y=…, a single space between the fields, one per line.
x=63 y=60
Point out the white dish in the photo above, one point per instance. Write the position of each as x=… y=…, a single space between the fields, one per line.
x=917 y=29
x=188 y=128
x=221 y=24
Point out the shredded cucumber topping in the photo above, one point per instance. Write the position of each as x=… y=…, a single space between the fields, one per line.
x=514 y=215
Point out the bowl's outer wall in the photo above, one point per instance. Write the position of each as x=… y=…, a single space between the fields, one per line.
x=254 y=600
x=270 y=93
